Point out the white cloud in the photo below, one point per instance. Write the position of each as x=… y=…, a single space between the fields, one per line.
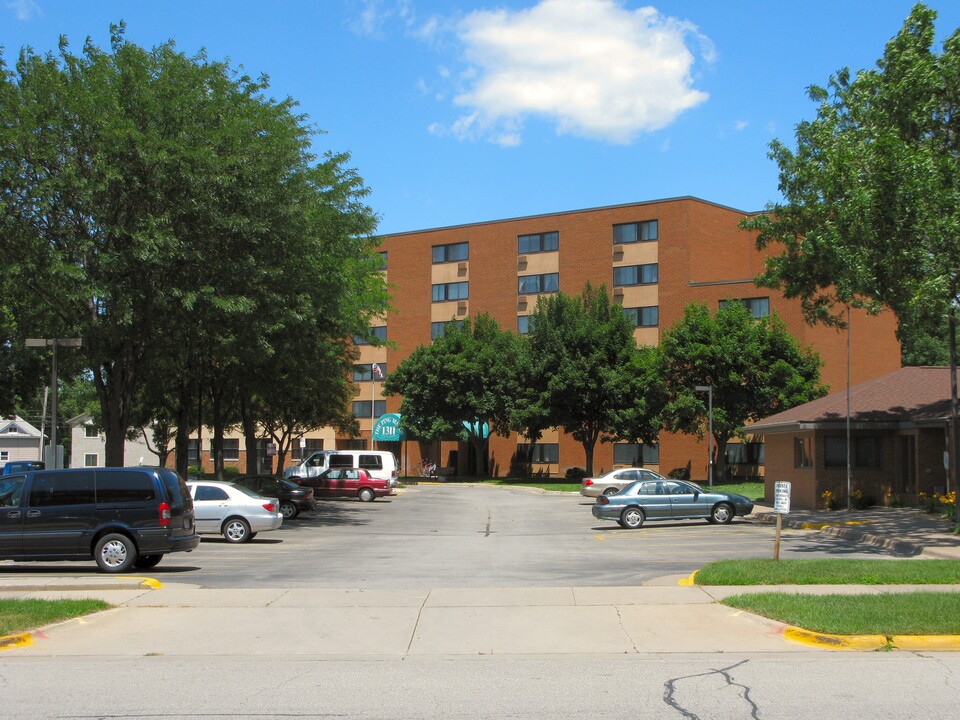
x=375 y=15
x=593 y=67
x=741 y=124
x=25 y=9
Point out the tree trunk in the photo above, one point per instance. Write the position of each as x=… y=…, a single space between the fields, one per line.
x=114 y=387
x=249 y=436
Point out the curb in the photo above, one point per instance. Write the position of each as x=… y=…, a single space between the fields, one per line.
x=8 y=642
x=948 y=643
x=843 y=530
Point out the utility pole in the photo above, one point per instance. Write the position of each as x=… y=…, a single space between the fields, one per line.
x=53 y=459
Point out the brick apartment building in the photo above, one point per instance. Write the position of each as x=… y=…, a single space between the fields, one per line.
x=654 y=257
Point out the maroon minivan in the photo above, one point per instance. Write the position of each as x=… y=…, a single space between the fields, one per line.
x=349 y=482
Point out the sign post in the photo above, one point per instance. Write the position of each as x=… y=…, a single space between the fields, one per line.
x=781 y=506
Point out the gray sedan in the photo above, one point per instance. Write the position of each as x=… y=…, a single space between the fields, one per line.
x=669 y=500
x=231 y=510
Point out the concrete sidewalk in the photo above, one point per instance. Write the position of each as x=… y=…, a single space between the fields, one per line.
x=664 y=616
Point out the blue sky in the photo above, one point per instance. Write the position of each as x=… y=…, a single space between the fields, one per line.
x=464 y=111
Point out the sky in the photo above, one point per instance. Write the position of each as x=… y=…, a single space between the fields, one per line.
x=466 y=111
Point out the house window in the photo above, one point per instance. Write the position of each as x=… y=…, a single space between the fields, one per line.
x=759 y=307
x=542 y=242
x=646 y=231
x=450 y=291
x=231 y=449
x=91 y=431
x=635 y=454
x=91 y=460
x=636 y=275
x=451 y=253
x=534 y=284
x=803 y=452
x=4 y=455
x=383 y=260
x=745 y=453
x=538 y=453
x=523 y=324
x=361 y=408
x=377 y=332
x=364 y=372
x=643 y=316
x=437 y=329
x=867 y=451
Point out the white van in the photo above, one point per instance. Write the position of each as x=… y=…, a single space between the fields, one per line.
x=377 y=463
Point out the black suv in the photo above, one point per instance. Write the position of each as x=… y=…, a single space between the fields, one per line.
x=120 y=517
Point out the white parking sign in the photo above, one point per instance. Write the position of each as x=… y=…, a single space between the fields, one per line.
x=781 y=497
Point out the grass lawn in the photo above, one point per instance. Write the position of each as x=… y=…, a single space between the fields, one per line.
x=21 y=615
x=830 y=572
x=916 y=613
x=910 y=613
x=752 y=490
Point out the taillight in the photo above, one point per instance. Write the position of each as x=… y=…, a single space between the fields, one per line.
x=587 y=482
x=269 y=507
x=603 y=500
x=164 y=514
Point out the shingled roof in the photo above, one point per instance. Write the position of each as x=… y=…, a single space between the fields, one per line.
x=910 y=395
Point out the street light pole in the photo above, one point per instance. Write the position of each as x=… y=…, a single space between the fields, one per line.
x=709 y=390
x=54 y=343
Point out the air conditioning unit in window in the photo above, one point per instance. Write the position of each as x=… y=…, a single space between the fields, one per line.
x=462 y=308
x=618 y=250
x=522 y=303
x=618 y=294
x=522 y=262
x=461 y=269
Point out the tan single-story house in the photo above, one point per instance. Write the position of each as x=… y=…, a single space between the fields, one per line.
x=899 y=431
x=19 y=440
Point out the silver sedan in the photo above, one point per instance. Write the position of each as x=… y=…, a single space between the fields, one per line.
x=669 y=500
x=616 y=480
x=231 y=510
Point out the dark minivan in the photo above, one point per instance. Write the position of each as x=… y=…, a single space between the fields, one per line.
x=120 y=517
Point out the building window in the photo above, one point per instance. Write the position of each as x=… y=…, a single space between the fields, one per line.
x=364 y=372
x=354 y=444
x=867 y=452
x=91 y=431
x=193 y=456
x=451 y=253
x=231 y=449
x=758 y=307
x=534 y=284
x=635 y=454
x=313 y=444
x=383 y=260
x=542 y=242
x=4 y=455
x=636 y=275
x=377 y=332
x=361 y=408
x=643 y=316
x=538 y=453
x=437 y=329
x=451 y=291
x=803 y=452
x=745 y=453
x=523 y=324
x=91 y=460
x=646 y=231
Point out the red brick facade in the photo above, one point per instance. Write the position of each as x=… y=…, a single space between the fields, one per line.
x=701 y=254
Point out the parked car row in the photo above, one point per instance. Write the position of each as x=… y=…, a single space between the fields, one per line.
x=632 y=496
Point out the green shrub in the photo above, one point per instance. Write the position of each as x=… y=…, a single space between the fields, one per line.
x=576 y=473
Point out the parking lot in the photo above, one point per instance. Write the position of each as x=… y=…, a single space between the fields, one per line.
x=462 y=536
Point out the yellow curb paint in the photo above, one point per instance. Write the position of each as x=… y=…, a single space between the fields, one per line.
x=148 y=583
x=927 y=642
x=688 y=581
x=14 y=641
x=599 y=537
x=834 y=642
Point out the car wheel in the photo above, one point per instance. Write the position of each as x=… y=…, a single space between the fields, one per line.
x=722 y=514
x=236 y=530
x=115 y=553
x=145 y=562
x=366 y=495
x=632 y=518
x=611 y=491
x=288 y=510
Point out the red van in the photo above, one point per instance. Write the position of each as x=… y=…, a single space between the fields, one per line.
x=349 y=482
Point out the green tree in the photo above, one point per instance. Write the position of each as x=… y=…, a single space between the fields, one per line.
x=755 y=367
x=641 y=419
x=871 y=211
x=577 y=369
x=463 y=381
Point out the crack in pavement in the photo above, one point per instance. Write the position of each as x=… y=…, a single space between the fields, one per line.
x=670 y=688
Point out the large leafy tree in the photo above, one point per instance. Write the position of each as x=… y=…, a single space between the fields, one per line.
x=755 y=367
x=871 y=210
x=170 y=213
x=464 y=383
x=577 y=370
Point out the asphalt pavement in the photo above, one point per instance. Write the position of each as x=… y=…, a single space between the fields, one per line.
x=668 y=615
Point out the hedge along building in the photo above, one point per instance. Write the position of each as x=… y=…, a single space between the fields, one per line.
x=654 y=257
